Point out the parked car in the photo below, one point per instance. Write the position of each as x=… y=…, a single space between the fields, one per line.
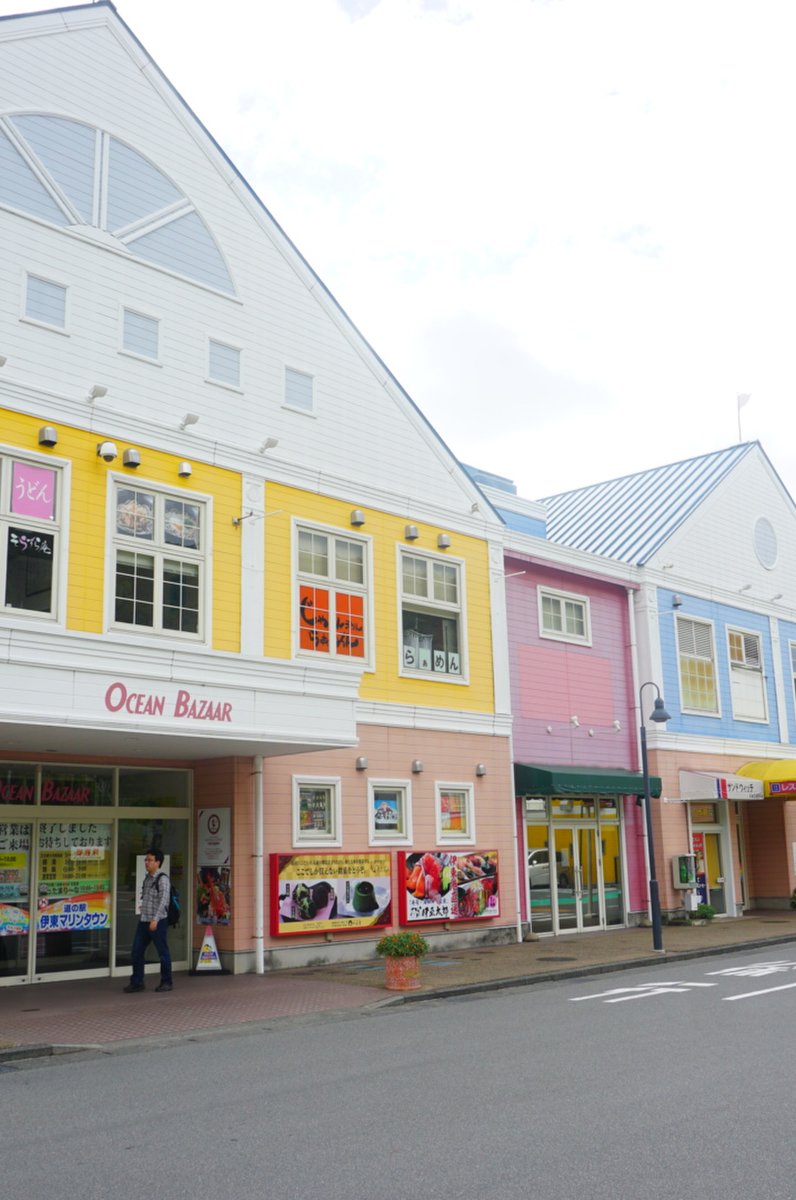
x=539 y=870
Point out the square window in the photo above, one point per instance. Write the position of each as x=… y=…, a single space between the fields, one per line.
x=140 y=334
x=316 y=812
x=45 y=302
x=564 y=617
x=299 y=388
x=224 y=364
x=431 y=615
x=455 y=815
x=389 y=812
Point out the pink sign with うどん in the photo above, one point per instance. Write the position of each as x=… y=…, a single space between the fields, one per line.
x=33 y=491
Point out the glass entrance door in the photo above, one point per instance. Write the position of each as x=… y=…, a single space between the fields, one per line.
x=74 y=908
x=578 y=878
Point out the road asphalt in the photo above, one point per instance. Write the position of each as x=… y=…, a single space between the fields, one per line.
x=59 y=1017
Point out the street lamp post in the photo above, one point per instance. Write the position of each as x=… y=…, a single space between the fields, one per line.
x=659 y=715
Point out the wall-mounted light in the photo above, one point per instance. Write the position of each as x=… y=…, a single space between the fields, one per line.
x=411 y=533
x=417 y=766
x=97 y=392
x=131 y=457
x=48 y=436
x=357 y=516
x=574 y=722
x=189 y=419
x=677 y=601
x=268 y=444
x=480 y=768
x=778 y=596
x=361 y=763
x=617 y=725
x=107 y=451
x=443 y=541
x=745 y=587
x=184 y=470
x=3 y=360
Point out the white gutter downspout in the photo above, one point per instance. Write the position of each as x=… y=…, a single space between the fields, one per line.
x=637 y=719
x=259 y=862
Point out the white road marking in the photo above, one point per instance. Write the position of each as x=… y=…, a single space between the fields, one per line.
x=783 y=987
x=617 y=995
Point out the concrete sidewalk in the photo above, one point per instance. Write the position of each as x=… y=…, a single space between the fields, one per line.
x=56 y=1017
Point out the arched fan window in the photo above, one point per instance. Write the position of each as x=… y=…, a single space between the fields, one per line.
x=71 y=174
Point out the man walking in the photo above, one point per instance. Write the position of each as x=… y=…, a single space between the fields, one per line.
x=152 y=924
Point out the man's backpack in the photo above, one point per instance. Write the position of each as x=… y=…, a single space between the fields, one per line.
x=175 y=908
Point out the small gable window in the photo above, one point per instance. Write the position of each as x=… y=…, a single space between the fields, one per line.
x=299 y=390
x=45 y=302
x=224 y=364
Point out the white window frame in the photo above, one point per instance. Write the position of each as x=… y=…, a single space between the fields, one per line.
x=710 y=626
x=435 y=608
x=744 y=667
x=380 y=837
x=160 y=550
x=564 y=598
x=333 y=586
x=137 y=354
x=33 y=320
x=299 y=408
x=57 y=527
x=306 y=838
x=446 y=837
x=214 y=379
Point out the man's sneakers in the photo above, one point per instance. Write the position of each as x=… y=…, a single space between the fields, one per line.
x=163 y=987
x=134 y=987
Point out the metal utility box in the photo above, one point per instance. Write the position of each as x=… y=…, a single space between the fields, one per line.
x=684 y=871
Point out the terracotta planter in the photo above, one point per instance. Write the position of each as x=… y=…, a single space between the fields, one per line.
x=402 y=974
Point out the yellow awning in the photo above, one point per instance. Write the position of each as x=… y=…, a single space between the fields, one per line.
x=778 y=776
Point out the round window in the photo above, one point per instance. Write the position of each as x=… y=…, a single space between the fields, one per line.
x=765 y=543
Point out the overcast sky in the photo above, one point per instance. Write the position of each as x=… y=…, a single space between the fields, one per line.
x=567 y=226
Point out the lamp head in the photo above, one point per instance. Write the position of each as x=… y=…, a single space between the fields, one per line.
x=659 y=714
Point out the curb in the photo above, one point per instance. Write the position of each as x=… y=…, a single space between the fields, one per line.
x=10 y=1054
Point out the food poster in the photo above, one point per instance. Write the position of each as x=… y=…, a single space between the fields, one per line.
x=14 y=878
x=315 y=893
x=74 y=876
x=213 y=890
x=438 y=886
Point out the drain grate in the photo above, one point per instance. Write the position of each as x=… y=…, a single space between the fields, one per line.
x=555 y=958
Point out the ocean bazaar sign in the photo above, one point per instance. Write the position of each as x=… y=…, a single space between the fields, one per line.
x=120 y=699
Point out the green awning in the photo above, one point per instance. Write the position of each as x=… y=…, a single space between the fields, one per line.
x=580 y=781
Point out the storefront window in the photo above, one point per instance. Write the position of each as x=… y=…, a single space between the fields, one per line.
x=154 y=789
x=17 y=783
x=72 y=786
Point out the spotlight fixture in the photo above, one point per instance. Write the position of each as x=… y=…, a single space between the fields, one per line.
x=443 y=541
x=411 y=533
x=677 y=601
x=48 y=436
x=480 y=769
x=574 y=721
x=417 y=766
x=3 y=360
x=189 y=419
x=362 y=763
x=131 y=457
x=97 y=391
x=357 y=516
x=268 y=444
x=184 y=470
x=107 y=451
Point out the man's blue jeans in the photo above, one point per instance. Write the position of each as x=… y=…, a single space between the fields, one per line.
x=143 y=936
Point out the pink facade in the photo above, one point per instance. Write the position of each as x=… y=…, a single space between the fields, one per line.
x=573 y=702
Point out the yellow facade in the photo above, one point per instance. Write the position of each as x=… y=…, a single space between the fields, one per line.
x=386 y=532
x=86 y=527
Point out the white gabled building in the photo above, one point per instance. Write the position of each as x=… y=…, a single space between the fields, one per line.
x=243 y=583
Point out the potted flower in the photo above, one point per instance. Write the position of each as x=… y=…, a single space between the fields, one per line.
x=402 y=953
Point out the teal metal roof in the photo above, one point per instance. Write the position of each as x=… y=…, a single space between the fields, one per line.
x=630 y=518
